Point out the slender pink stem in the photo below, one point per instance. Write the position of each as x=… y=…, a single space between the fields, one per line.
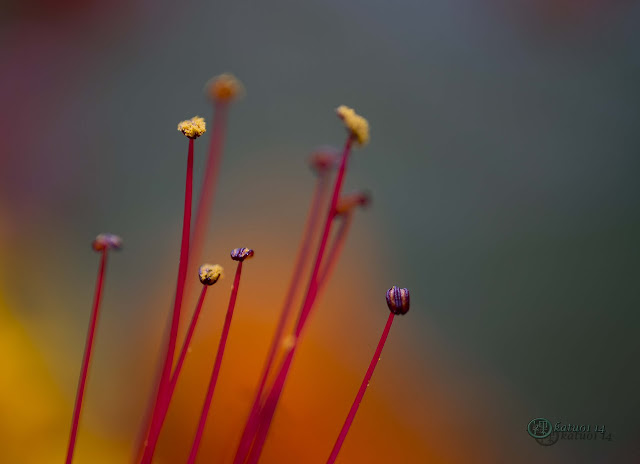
x=312 y=292
x=301 y=260
x=87 y=356
x=179 y=363
x=208 y=190
x=363 y=388
x=162 y=405
x=267 y=412
x=327 y=269
x=145 y=425
x=335 y=250
x=187 y=342
x=332 y=257
x=216 y=368
x=203 y=212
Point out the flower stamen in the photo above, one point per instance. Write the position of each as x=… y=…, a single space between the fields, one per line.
x=322 y=161
x=192 y=128
x=218 y=362
x=103 y=243
x=161 y=404
x=398 y=302
x=360 y=133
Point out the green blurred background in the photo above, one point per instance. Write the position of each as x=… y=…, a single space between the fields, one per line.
x=503 y=165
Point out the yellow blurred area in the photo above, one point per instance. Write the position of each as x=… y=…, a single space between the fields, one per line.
x=34 y=417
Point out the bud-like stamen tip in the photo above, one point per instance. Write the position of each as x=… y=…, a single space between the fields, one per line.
x=398 y=300
x=347 y=203
x=356 y=124
x=193 y=128
x=324 y=159
x=240 y=254
x=107 y=241
x=224 y=88
x=210 y=273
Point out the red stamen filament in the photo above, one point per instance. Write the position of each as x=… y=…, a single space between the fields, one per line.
x=332 y=257
x=335 y=250
x=203 y=213
x=312 y=292
x=162 y=405
x=87 y=356
x=216 y=367
x=208 y=190
x=187 y=342
x=363 y=388
x=183 y=354
x=301 y=260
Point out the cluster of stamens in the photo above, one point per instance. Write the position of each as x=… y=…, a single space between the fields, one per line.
x=324 y=161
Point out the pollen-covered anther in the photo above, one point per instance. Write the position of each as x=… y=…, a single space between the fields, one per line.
x=224 y=88
x=348 y=202
x=210 y=273
x=193 y=128
x=107 y=241
x=398 y=300
x=356 y=124
x=240 y=254
x=324 y=159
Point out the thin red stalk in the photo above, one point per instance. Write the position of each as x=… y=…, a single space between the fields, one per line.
x=332 y=257
x=143 y=431
x=363 y=388
x=187 y=342
x=268 y=410
x=203 y=213
x=208 y=190
x=179 y=363
x=199 y=230
x=301 y=260
x=335 y=250
x=145 y=426
x=216 y=367
x=312 y=292
x=93 y=322
x=276 y=390
x=162 y=405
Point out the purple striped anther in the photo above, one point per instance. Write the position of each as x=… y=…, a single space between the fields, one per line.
x=107 y=241
x=240 y=254
x=398 y=300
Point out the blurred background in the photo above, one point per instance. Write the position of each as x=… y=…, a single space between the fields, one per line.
x=503 y=167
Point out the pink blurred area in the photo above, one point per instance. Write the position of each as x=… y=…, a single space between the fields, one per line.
x=51 y=53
